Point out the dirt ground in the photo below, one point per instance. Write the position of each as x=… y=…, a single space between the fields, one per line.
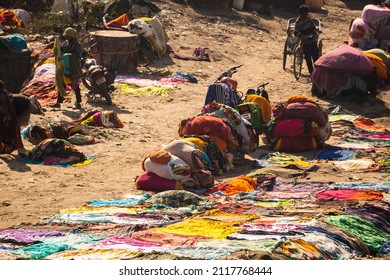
x=29 y=192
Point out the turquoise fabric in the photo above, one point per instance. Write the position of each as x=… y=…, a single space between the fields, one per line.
x=15 y=43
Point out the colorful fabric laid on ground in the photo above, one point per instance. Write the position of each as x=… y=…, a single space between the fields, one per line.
x=345 y=220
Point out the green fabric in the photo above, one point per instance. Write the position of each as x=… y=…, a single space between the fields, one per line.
x=362 y=229
x=381 y=54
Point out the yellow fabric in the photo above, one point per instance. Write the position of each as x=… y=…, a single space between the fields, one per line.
x=83 y=163
x=197 y=141
x=203 y=227
x=217 y=215
x=300 y=98
x=296 y=162
x=67 y=81
x=148 y=90
x=102 y=254
x=263 y=104
x=381 y=69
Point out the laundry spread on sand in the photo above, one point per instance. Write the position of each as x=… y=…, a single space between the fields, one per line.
x=259 y=212
x=344 y=220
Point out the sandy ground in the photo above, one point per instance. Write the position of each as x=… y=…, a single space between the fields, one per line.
x=29 y=192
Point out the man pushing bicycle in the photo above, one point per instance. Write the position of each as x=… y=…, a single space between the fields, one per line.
x=307 y=29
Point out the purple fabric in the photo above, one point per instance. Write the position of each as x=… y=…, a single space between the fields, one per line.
x=26 y=236
x=333 y=69
x=346 y=59
x=371 y=14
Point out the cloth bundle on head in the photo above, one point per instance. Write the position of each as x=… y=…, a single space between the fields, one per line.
x=187 y=152
x=174 y=169
x=208 y=125
x=299 y=124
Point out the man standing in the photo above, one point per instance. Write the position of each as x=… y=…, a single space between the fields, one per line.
x=73 y=47
x=306 y=28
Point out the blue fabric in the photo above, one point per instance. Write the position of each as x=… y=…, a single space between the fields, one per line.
x=385 y=249
x=119 y=202
x=335 y=154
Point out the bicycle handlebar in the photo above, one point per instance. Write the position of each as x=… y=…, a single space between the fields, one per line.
x=262 y=85
x=228 y=73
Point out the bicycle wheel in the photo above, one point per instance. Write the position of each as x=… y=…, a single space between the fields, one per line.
x=285 y=54
x=298 y=61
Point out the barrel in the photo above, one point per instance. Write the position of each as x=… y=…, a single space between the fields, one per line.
x=116 y=50
x=15 y=68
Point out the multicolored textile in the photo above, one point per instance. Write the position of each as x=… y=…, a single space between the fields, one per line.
x=177 y=198
x=52 y=151
x=207 y=125
x=237 y=185
x=166 y=238
x=366 y=231
x=350 y=195
x=36 y=132
x=189 y=153
x=100 y=117
x=27 y=236
x=201 y=227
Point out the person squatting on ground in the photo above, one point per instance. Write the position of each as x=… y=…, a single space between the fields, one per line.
x=305 y=26
x=71 y=45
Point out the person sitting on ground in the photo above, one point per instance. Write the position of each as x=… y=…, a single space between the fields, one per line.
x=307 y=29
x=72 y=46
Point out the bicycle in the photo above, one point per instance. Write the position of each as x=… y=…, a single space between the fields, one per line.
x=293 y=47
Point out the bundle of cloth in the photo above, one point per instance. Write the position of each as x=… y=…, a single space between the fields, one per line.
x=150 y=28
x=371 y=30
x=345 y=70
x=153 y=30
x=36 y=132
x=381 y=60
x=12 y=20
x=223 y=134
x=42 y=84
x=298 y=125
x=100 y=117
x=52 y=151
x=178 y=165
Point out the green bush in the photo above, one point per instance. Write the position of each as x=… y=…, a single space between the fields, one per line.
x=49 y=24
